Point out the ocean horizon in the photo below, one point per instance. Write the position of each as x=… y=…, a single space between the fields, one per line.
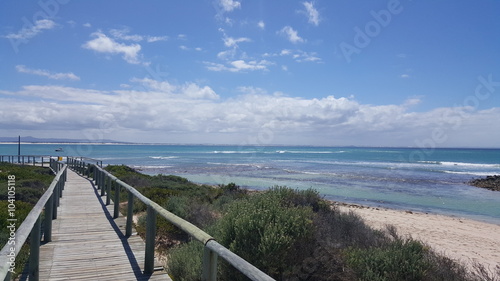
x=431 y=180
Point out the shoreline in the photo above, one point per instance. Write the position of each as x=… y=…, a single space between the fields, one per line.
x=461 y=239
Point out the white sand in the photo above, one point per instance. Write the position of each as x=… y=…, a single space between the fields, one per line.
x=464 y=240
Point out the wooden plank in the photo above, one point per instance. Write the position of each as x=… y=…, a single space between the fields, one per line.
x=88 y=244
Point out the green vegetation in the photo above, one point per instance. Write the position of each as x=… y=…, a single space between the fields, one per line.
x=30 y=184
x=289 y=234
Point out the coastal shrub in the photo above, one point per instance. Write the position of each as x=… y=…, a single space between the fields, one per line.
x=289 y=234
x=307 y=198
x=228 y=193
x=399 y=260
x=341 y=230
x=184 y=262
x=190 y=209
x=444 y=268
x=31 y=181
x=167 y=234
x=264 y=230
x=486 y=274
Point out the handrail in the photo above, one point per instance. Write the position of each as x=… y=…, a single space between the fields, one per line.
x=212 y=249
x=31 y=226
x=27 y=159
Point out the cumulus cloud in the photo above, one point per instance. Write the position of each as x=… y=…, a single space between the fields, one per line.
x=291 y=34
x=31 y=31
x=46 y=73
x=229 y=5
x=261 y=25
x=161 y=108
x=311 y=13
x=188 y=90
x=239 y=65
x=103 y=44
x=233 y=42
x=225 y=6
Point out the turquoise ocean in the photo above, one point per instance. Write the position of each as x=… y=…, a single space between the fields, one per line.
x=418 y=179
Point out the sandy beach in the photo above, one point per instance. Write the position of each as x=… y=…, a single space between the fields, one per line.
x=461 y=239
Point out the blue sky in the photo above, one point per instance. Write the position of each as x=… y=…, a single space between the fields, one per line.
x=381 y=73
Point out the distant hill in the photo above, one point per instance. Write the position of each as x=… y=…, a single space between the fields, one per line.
x=54 y=140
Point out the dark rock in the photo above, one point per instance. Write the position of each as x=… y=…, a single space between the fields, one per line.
x=490 y=182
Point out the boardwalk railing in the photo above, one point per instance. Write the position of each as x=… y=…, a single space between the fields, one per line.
x=212 y=249
x=28 y=159
x=32 y=224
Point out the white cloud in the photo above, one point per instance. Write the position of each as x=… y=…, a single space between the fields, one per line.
x=123 y=34
x=103 y=44
x=87 y=25
x=229 y=5
x=405 y=76
x=291 y=34
x=191 y=112
x=151 y=39
x=233 y=42
x=297 y=55
x=312 y=13
x=46 y=73
x=239 y=66
x=189 y=90
x=33 y=30
x=261 y=25
x=226 y=6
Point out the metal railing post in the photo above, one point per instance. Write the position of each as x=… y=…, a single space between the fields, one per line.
x=34 y=259
x=95 y=174
x=49 y=213
x=60 y=187
x=57 y=193
x=116 y=202
x=149 y=257
x=209 y=269
x=130 y=214
x=108 y=192
x=54 y=204
x=104 y=184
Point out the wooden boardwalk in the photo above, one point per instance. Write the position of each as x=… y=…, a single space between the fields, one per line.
x=88 y=244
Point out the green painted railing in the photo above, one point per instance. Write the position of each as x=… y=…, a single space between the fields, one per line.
x=32 y=224
x=212 y=249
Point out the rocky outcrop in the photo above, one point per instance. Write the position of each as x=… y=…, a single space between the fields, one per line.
x=490 y=182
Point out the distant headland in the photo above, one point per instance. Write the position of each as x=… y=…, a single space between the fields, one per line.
x=30 y=139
